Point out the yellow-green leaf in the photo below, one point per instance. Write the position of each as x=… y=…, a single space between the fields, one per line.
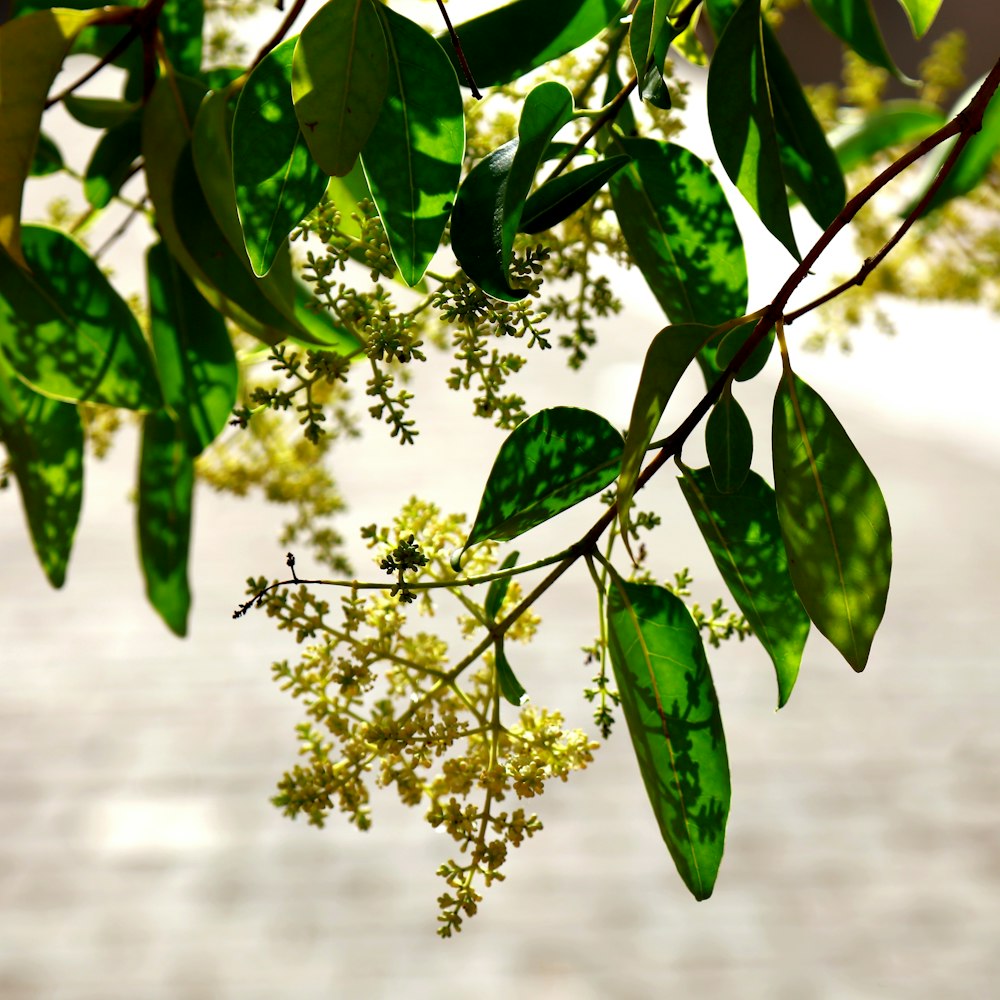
x=32 y=48
x=340 y=73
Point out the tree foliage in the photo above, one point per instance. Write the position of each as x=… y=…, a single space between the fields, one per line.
x=308 y=205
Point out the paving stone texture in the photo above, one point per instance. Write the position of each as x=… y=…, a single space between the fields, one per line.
x=140 y=859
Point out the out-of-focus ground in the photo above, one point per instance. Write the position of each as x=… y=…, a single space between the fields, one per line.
x=140 y=857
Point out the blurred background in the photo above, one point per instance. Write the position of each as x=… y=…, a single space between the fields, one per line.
x=140 y=857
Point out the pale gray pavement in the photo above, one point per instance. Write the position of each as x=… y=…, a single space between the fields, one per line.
x=140 y=859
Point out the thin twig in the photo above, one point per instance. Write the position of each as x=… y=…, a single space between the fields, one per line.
x=456 y=42
x=607 y=115
x=279 y=36
x=966 y=124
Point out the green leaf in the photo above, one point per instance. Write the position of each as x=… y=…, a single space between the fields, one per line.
x=166 y=488
x=742 y=533
x=514 y=39
x=498 y=588
x=67 y=332
x=730 y=347
x=921 y=14
x=32 y=49
x=194 y=356
x=549 y=463
x=277 y=182
x=100 y=112
x=741 y=116
x=764 y=129
x=559 y=198
x=510 y=687
x=670 y=353
x=181 y=23
x=673 y=717
x=680 y=229
x=339 y=78
x=833 y=520
x=853 y=22
x=112 y=161
x=894 y=123
x=47 y=159
x=729 y=442
x=230 y=274
x=648 y=22
x=44 y=442
x=317 y=327
x=975 y=160
x=413 y=158
x=491 y=200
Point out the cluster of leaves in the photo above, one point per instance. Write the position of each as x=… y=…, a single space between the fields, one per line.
x=349 y=139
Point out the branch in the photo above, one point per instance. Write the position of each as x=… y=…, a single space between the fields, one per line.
x=966 y=124
x=459 y=52
x=279 y=36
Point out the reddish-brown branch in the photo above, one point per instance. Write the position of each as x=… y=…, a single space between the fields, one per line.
x=457 y=44
x=279 y=36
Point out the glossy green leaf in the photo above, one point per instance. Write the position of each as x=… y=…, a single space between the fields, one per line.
x=100 y=112
x=670 y=353
x=679 y=228
x=491 y=200
x=893 y=123
x=32 y=49
x=764 y=129
x=833 y=520
x=557 y=199
x=853 y=22
x=44 y=442
x=649 y=19
x=742 y=533
x=741 y=116
x=973 y=164
x=194 y=356
x=549 y=463
x=316 y=327
x=166 y=488
x=672 y=711
x=510 y=687
x=730 y=347
x=111 y=162
x=729 y=442
x=498 y=588
x=921 y=14
x=276 y=179
x=67 y=332
x=515 y=38
x=413 y=159
x=339 y=78
x=47 y=159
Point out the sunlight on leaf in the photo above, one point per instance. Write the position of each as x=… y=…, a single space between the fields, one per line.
x=742 y=533
x=276 y=180
x=413 y=158
x=339 y=77
x=67 y=332
x=44 y=442
x=166 y=486
x=672 y=711
x=833 y=520
x=32 y=49
x=552 y=461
